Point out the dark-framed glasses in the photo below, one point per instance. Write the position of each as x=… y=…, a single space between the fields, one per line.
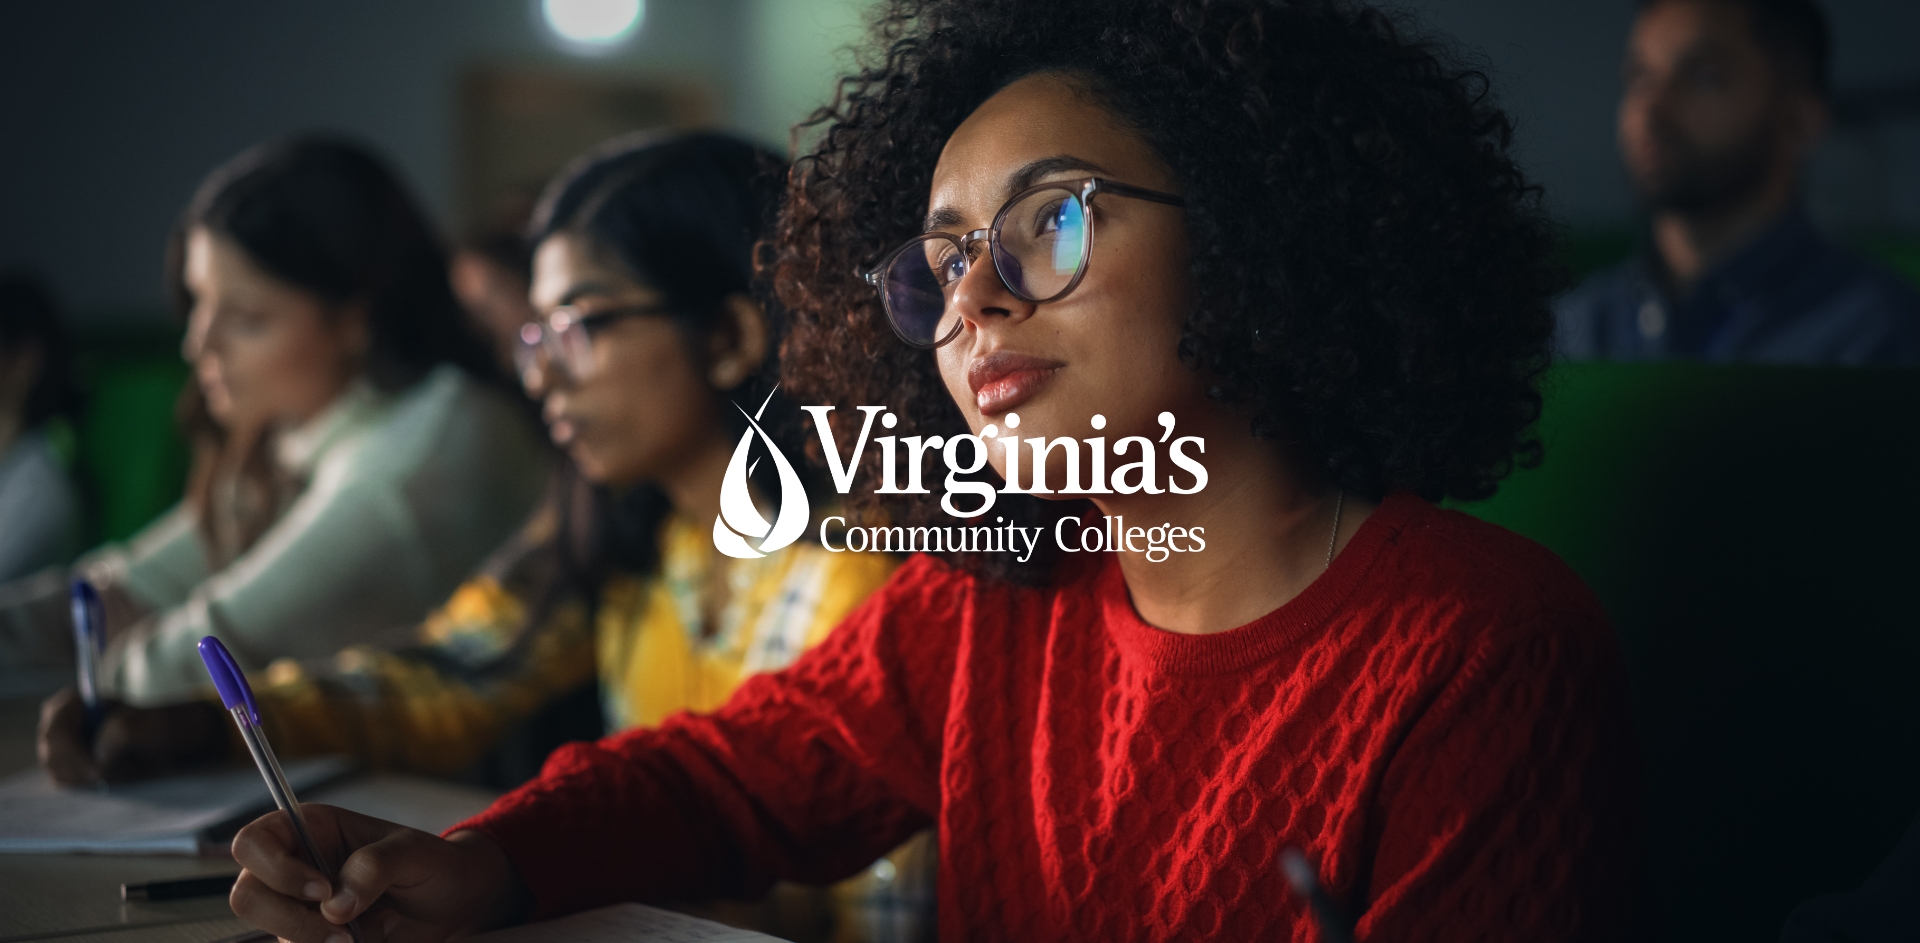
x=563 y=340
x=1040 y=242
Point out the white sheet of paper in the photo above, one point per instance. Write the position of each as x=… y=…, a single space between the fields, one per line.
x=165 y=816
x=625 y=923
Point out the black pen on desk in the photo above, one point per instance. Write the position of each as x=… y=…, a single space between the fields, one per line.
x=1299 y=872
x=180 y=889
x=245 y=937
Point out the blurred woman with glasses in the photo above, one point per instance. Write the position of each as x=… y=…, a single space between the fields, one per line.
x=356 y=451
x=649 y=339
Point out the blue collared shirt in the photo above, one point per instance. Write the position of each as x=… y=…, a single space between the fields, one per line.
x=1790 y=297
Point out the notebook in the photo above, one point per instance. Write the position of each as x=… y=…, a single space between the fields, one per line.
x=163 y=816
x=625 y=923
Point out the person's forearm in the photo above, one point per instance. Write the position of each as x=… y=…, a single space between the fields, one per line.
x=387 y=725
x=417 y=711
x=805 y=774
x=572 y=832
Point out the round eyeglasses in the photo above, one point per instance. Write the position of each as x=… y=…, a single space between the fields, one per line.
x=1040 y=242
x=565 y=340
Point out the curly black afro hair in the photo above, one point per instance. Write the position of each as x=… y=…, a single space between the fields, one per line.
x=1373 y=270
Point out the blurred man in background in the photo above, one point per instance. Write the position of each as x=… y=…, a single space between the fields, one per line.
x=1724 y=101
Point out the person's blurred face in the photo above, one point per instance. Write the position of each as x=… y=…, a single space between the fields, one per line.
x=647 y=404
x=19 y=371
x=494 y=296
x=264 y=352
x=1706 y=119
x=1110 y=346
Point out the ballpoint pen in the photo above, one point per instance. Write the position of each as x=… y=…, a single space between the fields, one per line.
x=179 y=889
x=89 y=644
x=1299 y=872
x=237 y=695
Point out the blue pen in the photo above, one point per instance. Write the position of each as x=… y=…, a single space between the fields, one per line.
x=89 y=645
x=237 y=695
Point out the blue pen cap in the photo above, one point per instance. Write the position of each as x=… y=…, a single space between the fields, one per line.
x=227 y=678
x=89 y=615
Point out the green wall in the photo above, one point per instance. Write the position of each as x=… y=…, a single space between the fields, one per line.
x=130 y=460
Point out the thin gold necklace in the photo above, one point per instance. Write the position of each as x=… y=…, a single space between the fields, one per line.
x=1334 y=538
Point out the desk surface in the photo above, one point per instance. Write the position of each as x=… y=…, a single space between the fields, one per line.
x=76 y=898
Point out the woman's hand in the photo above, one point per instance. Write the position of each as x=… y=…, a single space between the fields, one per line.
x=131 y=742
x=419 y=888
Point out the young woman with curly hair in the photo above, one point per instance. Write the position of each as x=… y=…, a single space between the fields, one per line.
x=1300 y=232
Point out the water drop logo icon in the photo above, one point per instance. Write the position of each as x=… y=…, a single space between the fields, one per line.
x=739 y=517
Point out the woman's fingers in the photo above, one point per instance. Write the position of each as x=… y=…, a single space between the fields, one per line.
x=119 y=751
x=63 y=744
x=269 y=849
x=264 y=907
x=395 y=881
x=134 y=742
x=375 y=854
x=128 y=743
x=400 y=859
x=282 y=893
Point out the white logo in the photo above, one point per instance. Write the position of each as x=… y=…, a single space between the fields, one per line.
x=740 y=519
x=737 y=512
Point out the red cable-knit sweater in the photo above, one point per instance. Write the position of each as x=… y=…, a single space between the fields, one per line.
x=1439 y=720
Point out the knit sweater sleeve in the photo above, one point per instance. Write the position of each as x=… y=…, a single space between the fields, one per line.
x=1507 y=812
x=806 y=774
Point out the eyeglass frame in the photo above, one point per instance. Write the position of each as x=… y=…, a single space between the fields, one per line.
x=569 y=317
x=1088 y=188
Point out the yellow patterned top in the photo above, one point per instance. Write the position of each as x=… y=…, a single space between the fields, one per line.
x=481 y=666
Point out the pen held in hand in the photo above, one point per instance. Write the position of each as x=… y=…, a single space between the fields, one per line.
x=89 y=645
x=1301 y=877
x=237 y=695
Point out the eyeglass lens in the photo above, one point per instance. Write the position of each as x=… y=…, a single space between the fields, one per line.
x=575 y=348
x=526 y=353
x=564 y=343
x=1040 y=246
x=917 y=284
x=1043 y=239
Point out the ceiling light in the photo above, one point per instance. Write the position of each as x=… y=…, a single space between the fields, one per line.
x=593 y=23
